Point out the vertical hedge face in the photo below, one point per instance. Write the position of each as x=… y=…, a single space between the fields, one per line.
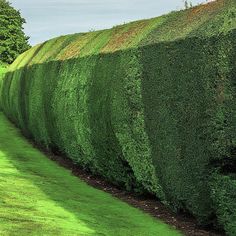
x=189 y=102
x=147 y=108
x=175 y=102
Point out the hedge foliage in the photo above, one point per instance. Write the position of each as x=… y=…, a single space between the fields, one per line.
x=150 y=106
x=224 y=195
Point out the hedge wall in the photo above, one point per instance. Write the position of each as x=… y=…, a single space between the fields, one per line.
x=150 y=106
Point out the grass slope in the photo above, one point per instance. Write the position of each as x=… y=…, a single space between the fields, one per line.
x=37 y=197
x=2 y=70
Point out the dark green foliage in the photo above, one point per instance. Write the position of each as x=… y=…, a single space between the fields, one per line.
x=190 y=104
x=150 y=108
x=224 y=195
x=12 y=38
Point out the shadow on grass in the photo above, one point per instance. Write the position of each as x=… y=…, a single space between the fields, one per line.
x=66 y=197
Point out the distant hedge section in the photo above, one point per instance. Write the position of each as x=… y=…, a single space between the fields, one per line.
x=150 y=106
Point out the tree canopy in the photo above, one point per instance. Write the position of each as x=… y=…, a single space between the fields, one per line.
x=13 y=40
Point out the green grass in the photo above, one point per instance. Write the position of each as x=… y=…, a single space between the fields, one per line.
x=2 y=70
x=37 y=197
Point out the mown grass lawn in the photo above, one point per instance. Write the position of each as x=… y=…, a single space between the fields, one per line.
x=38 y=197
x=2 y=69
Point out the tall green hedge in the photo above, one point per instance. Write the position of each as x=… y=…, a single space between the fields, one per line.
x=150 y=106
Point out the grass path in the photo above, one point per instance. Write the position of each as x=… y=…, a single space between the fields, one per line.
x=37 y=197
x=2 y=69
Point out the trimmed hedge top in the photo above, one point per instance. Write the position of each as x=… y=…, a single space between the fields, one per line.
x=218 y=17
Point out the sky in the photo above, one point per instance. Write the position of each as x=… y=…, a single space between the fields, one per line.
x=51 y=18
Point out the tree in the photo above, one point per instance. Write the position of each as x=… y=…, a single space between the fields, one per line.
x=186 y=4
x=13 y=40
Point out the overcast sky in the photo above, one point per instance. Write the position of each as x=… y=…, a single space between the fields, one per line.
x=50 y=18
